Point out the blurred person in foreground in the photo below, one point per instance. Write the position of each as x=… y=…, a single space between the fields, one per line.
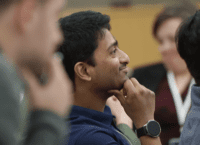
x=170 y=80
x=98 y=70
x=29 y=35
x=188 y=42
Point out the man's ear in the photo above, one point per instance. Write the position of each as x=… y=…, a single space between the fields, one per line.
x=82 y=71
x=24 y=14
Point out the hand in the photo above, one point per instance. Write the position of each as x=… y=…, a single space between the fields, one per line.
x=118 y=112
x=130 y=72
x=55 y=95
x=139 y=102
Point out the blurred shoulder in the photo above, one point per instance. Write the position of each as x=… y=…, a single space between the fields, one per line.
x=149 y=70
x=152 y=66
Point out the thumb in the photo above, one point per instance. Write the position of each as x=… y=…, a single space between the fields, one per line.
x=119 y=96
x=114 y=98
x=31 y=81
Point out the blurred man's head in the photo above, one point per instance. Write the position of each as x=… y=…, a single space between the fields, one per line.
x=30 y=25
x=188 y=44
x=91 y=53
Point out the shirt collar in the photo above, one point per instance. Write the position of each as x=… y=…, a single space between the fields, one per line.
x=105 y=117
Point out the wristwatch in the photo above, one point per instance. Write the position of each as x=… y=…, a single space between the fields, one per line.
x=152 y=129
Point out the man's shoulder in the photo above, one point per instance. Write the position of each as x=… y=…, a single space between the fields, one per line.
x=86 y=130
x=89 y=134
x=82 y=125
x=191 y=130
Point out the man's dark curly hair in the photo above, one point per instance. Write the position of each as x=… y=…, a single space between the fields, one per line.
x=82 y=32
x=188 y=44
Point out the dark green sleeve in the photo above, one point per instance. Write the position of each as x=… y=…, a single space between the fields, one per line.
x=10 y=87
x=9 y=109
x=45 y=128
x=129 y=134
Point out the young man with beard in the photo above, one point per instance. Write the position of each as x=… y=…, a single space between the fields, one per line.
x=29 y=35
x=98 y=70
x=188 y=42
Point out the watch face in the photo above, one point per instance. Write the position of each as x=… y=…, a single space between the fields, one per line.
x=153 y=128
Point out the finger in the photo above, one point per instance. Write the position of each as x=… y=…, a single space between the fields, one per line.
x=118 y=95
x=124 y=92
x=109 y=101
x=56 y=69
x=135 y=82
x=114 y=98
x=128 y=87
x=31 y=81
x=58 y=65
x=58 y=56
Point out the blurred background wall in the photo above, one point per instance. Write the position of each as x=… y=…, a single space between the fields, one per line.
x=131 y=22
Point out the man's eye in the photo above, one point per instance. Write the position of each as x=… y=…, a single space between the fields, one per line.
x=114 y=51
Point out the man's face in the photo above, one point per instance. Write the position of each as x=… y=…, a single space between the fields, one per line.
x=110 y=70
x=44 y=34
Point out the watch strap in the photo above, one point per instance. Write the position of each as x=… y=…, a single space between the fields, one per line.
x=152 y=129
x=142 y=131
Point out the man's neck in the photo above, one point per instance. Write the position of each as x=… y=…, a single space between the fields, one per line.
x=88 y=99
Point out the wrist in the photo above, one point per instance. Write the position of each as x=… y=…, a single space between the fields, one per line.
x=151 y=128
x=142 y=122
x=127 y=122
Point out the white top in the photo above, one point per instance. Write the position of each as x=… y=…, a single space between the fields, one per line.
x=182 y=108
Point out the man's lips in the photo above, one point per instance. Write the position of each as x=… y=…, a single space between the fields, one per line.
x=124 y=69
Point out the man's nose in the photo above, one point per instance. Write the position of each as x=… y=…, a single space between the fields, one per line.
x=124 y=58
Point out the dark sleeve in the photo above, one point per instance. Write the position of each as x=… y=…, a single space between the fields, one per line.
x=129 y=133
x=191 y=130
x=45 y=128
x=97 y=138
x=9 y=108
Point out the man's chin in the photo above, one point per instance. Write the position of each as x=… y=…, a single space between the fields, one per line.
x=121 y=86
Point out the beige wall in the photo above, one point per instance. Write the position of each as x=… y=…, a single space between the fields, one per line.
x=132 y=27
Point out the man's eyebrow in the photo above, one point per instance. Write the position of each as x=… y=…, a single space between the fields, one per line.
x=113 y=44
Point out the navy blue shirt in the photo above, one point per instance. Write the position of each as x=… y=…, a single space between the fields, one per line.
x=191 y=130
x=90 y=127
